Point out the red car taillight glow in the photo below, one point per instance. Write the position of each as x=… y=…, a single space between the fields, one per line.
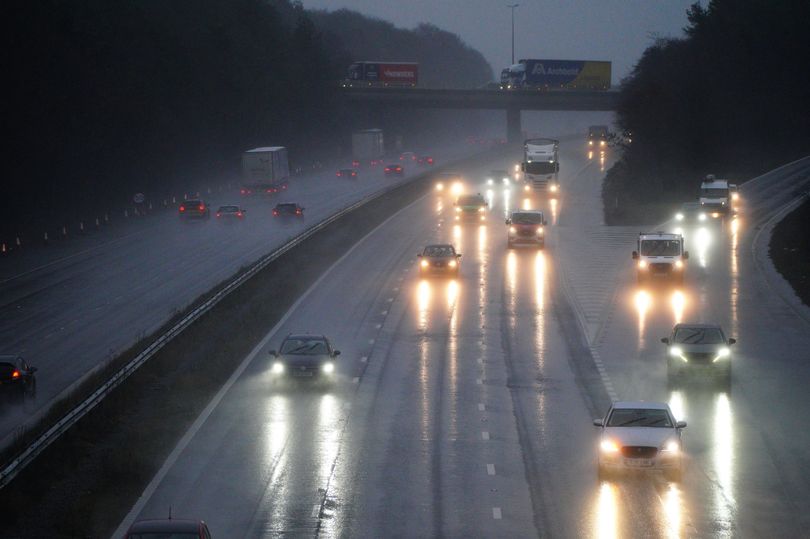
x=202 y=207
x=182 y=208
x=15 y=375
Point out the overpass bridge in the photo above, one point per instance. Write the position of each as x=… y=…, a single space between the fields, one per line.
x=512 y=101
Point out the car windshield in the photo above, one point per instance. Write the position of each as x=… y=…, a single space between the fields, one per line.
x=439 y=250
x=228 y=209
x=686 y=335
x=713 y=192
x=639 y=417
x=286 y=207
x=471 y=200
x=527 y=219
x=660 y=247
x=304 y=347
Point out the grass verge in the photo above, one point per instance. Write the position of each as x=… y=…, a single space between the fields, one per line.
x=790 y=250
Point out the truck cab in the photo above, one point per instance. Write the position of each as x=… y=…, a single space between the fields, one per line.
x=540 y=166
x=715 y=197
x=660 y=255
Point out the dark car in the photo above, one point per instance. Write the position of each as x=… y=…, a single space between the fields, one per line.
x=346 y=173
x=471 y=208
x=425 y=160
x=304 y=356
x=499 y=176
x=526 y=226
x=288 y=209
x=170 y=528
x=439 y=259
x=17 y=378
x=698 y=349
x=691 y=213
x=194 y=208
x=396 y=169
x=230 y=212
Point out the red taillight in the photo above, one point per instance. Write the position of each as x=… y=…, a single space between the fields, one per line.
x=239 y=214
x=298 y=212
x=275 y=212
x=15 y=374
x=219 y=214
x=182 y=208
x=242 y=191
x=202 y=207
x=337 y=174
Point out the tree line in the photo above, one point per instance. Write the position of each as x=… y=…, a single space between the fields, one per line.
x=732 y=97
x=109 y=97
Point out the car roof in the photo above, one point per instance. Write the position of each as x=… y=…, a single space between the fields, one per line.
x=166 y=525
x=640 y=404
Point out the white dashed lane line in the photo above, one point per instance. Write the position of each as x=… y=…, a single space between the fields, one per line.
x=484 y=435
x=496 y=513
x=490 y=469
x=481 y=407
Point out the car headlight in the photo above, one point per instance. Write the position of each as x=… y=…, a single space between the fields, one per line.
x=642 y=264
x=735 y=196
x=452 y=263
x=526 y=187
x=512 y=229
x=715 y=214
x=517 y=168
x=590 y=143
x=679 y=216
x=702 y=217
x=489 y=181
x=678 y=264
x=458 y=209
x=675 y=351
x=439 y=186
x=609 y=446
x=424 y=263
x=601 y=142
x=506 y=179
x=671 y=446
x=721 y=354
x=553 y=188
x=278 y=367
x=540 y=230
x=328 y=368
x=482 y=209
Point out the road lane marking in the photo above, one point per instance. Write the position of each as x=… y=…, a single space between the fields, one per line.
x=316 y=510
x=496 y=513
x=479 y=382
x=480 y=361
x=485 y=436
x=490 y=469
x=377 y=326
x=364 y=359
x=481 y=407
x=356 y=380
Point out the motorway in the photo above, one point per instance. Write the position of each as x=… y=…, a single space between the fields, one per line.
x=463 y=407
x=70 y=307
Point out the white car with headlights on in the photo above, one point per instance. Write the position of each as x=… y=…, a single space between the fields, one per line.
x=640 y=436
x=698 y=349
x=304 y=356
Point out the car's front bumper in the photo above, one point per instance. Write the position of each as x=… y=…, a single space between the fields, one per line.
x=663 y=460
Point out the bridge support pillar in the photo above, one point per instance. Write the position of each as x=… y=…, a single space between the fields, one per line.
x=513 y=127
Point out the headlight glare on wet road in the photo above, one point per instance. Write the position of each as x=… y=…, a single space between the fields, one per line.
x=540 y=230
x=722 y=353
x=452 y=263
x=678 y=264
x=642 y=264
x=702 y=217
x=679 y=216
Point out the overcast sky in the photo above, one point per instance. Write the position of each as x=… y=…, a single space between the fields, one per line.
x=614 y=30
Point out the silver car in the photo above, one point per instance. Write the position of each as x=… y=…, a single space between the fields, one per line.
x=640 y=436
